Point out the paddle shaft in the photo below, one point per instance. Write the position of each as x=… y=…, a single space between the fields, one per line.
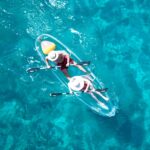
x=30 y=70
x=68 y=93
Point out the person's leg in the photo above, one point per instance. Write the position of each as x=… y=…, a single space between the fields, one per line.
x=99 y=93
x=65 y=71
x=78 y=66
x=99 y=102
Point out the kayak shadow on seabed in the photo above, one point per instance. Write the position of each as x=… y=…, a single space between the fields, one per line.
x=97 y=103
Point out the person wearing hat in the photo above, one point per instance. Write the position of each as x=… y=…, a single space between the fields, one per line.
x=60 y=57
x=82 y=84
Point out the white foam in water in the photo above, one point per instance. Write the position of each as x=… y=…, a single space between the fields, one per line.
x=75 y=31
x=57 y=3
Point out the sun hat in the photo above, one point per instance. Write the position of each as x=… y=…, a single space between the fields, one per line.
x=76 y=83
x=53 y=56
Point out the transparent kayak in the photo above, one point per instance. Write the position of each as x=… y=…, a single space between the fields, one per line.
x=100 y=103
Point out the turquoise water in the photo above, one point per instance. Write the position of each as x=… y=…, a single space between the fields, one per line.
x=114 y=35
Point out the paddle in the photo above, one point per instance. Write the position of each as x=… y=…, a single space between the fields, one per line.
x=68 y=93
x=30 y=70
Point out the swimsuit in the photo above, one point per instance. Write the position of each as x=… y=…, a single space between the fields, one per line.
x=64 y=62
x=85 y=86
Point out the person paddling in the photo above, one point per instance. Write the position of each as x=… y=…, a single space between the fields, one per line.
x=60 y=57
x=82 y=84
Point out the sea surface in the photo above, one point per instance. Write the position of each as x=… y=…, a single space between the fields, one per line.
x=114 y=35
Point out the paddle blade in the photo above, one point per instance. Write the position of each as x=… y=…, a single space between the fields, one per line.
x=60 y=94
x=30 y=70
x=102 y=90
x=56 y=94
x=84 y=63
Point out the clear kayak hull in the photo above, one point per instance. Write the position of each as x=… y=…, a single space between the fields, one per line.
x=99 y=103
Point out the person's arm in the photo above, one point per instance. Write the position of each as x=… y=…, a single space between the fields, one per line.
x=68 y=60
x=89 y=85
x=47 y=63
x=70 y=90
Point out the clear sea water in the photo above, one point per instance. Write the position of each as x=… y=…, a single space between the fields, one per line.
x=114 y=35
